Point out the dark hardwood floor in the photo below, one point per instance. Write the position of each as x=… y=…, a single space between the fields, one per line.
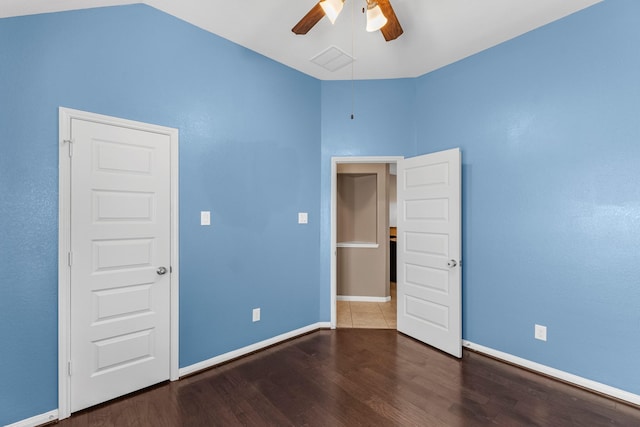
x=359 y=377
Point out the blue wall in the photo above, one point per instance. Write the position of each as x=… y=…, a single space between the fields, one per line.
x=249 y=152
x=549 y=127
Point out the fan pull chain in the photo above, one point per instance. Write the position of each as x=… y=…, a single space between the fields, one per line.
x=353 y=59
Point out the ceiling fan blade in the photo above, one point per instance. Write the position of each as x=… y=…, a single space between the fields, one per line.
x=392 y=29
x=309 y=20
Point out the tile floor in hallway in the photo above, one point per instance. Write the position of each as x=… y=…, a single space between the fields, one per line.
x=370 y=315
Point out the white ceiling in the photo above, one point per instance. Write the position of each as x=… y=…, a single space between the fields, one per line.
x=436 y=32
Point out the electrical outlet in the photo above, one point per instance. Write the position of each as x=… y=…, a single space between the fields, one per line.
x=540 y=333
x=303 y=218
x=256 y=314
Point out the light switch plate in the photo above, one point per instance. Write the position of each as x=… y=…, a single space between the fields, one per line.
x=540 y=332
x=303 y=218
x=205 y=218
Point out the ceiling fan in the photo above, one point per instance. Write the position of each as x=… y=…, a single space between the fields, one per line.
x=380 y=16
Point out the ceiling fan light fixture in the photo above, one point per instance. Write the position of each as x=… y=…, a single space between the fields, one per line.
x=375 y=17
x=332 y=9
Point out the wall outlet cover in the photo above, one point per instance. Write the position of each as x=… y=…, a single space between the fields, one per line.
x=256 y=314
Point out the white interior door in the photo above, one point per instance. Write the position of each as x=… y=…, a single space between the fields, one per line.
x=429 y=250
x=120 y=241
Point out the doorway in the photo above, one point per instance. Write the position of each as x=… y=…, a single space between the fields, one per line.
x=118 y=258
x=355 y=305
x=429 y=252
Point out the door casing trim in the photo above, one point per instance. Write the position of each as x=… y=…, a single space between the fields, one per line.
x=334 y=219
x=64 y=229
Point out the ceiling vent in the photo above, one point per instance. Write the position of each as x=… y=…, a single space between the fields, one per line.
x=332 y=59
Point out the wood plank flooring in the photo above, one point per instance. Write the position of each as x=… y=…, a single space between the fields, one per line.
x=360 y=377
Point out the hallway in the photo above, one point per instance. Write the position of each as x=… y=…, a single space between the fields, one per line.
x=368 y=315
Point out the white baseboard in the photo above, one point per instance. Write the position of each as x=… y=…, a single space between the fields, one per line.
x=187 y=370
x=37 y=420
x=362 y=299
x=556 y=373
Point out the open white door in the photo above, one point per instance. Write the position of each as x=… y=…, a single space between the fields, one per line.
x=429 y=250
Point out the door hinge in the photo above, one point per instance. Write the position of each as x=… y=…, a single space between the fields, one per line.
x=70 y=258
x=70 y=142
x=69 y=368
x=170 y=269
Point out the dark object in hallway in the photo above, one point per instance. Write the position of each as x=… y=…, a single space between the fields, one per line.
x=392 y=260
x=352 y=377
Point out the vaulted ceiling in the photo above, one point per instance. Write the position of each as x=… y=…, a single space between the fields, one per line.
x=436 y=32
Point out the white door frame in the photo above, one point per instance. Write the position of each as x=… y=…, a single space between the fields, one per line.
x=64 y=229
x=334 y=217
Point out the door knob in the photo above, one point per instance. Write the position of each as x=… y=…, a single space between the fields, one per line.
x=452 y=263
x=161 y=271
